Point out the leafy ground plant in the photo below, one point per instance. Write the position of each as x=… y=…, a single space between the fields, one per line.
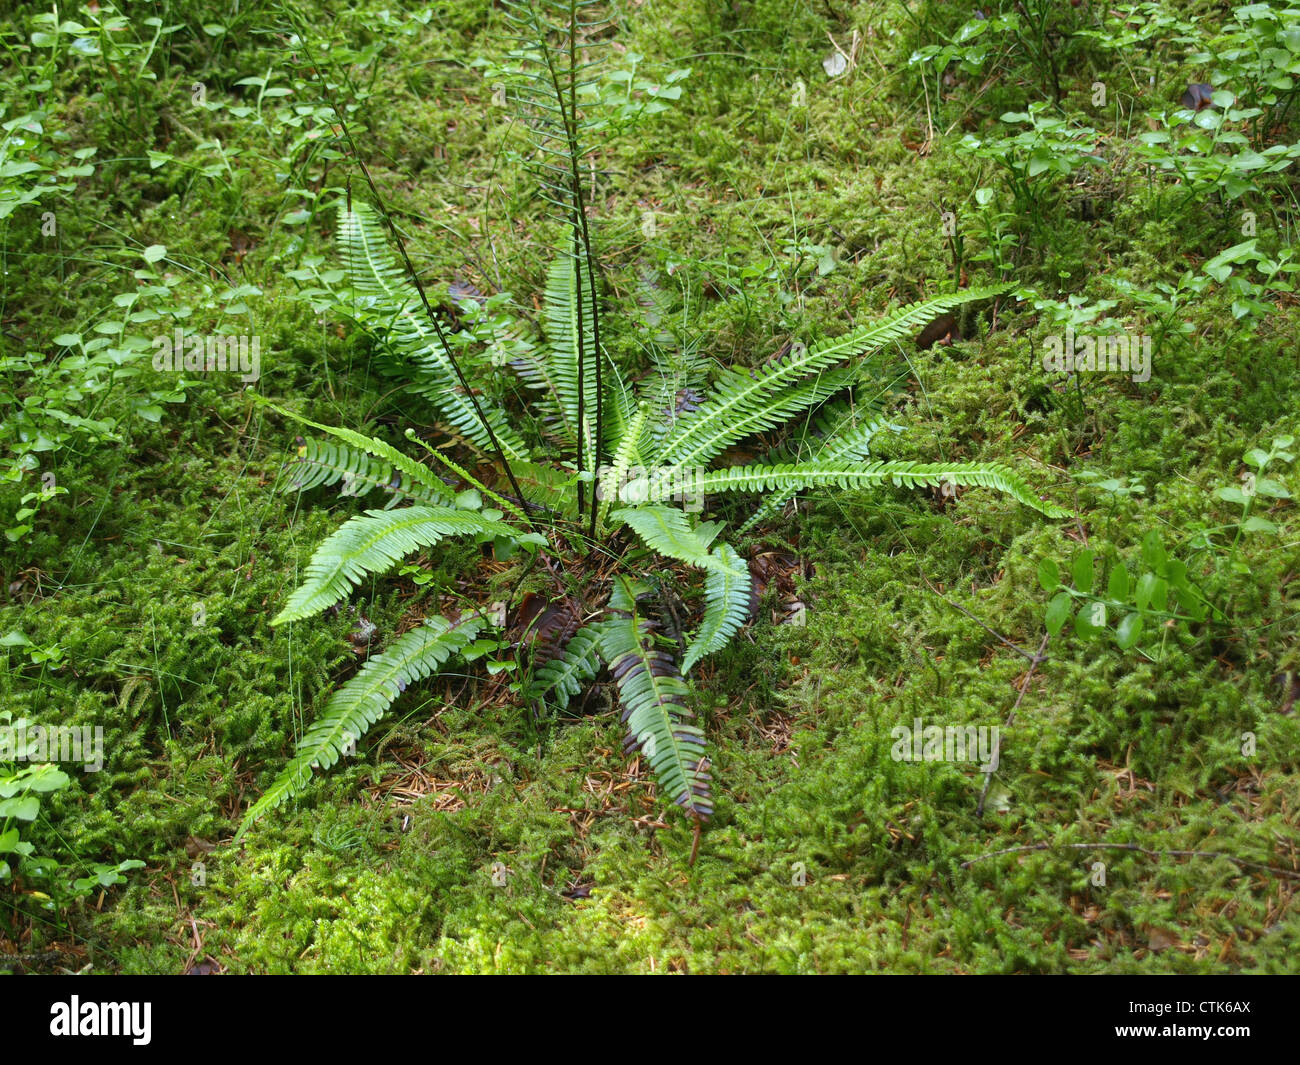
x=664 y=444
x=603 y=454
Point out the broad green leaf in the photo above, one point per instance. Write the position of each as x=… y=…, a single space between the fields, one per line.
x=1128 y=631
x=1082 y=571
x=1118 y=585
x=1153 y=551
x=1058 y=612
x=1091 y=620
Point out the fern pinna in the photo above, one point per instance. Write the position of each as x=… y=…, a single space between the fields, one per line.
x=595 y=457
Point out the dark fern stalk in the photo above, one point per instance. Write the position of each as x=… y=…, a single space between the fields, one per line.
x=382 y=207
x=556 y=118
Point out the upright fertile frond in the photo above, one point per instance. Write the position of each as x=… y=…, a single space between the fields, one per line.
x=652 y=693
x=373 y=543
x=393 y=308
x=740 y=397
x=857 y=475
x=549 y=81
x=362 y=701
x=324 y=462
x=726 y=606
x=550 y=77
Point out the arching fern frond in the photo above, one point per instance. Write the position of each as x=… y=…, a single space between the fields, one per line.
x=802 y=475
x=652 y=693
x=844 y=437
x=393 y=310
x=324 y=462
x=778 y=409
x=362 y=701
x=726 y=606
x=741 y=396
x=669 y=532
x=419 y=474
x=373 y=543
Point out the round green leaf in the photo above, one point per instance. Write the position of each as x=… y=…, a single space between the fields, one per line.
x=1082 y=571
x=1129 y=631
x=1058 y=612
x=1090 y=620
x=1118 y=585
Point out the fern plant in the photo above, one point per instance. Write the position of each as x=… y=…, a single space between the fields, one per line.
x=603 y=453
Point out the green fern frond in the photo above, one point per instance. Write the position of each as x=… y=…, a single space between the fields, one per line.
x=742 y=396
x=627 y=454
x=362 y=701
x=653 y=696
x=547 y=487
x=778 y=409
x=847 y=440
x=373 y=543
x=324 y=462
x=802 y=475
x=669 y=532
x=564 y=676
x=566 y=342
x=393 y=309
x=726 y=606
x=372 y=445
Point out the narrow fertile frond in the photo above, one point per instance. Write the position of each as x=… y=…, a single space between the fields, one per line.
x=740 y=397
x=550 y=77
x=373 y=543
x=726 y=606
x=362 y=701
x=653 y=696
x=324 y=462
x=802 y=475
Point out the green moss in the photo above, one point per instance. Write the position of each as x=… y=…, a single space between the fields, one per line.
x=826 y=854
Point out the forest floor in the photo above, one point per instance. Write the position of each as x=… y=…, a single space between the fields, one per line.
x=787 y=203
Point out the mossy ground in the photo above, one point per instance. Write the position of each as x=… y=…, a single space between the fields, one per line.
x=537 y=849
